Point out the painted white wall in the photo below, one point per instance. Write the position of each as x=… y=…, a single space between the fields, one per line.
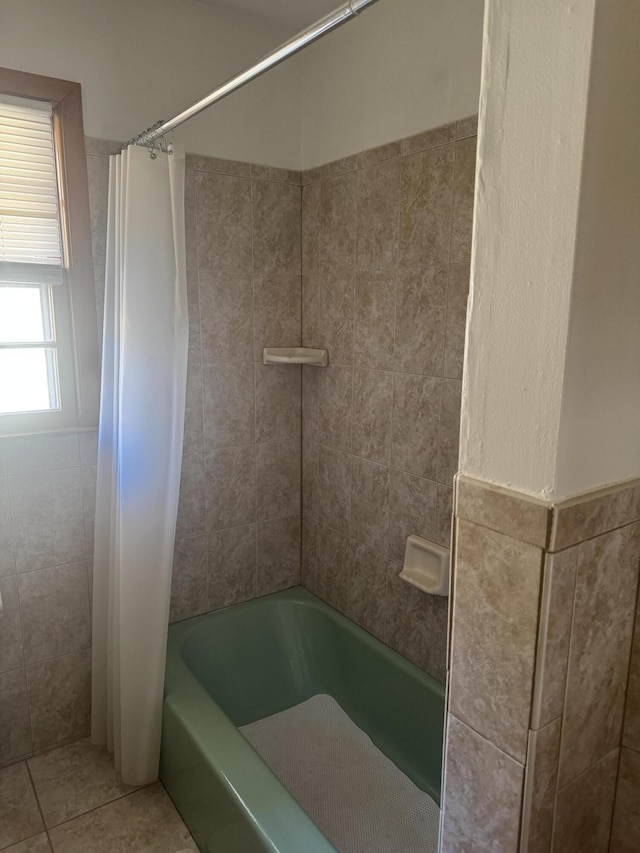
x=142 y=60
x=600 y=423
x=401 y=67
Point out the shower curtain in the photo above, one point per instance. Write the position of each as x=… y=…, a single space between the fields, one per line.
x=142 y=405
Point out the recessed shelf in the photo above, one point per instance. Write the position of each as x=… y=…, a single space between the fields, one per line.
x=295 y=355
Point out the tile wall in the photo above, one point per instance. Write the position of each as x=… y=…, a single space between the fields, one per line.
x=545 y=602
x=386 y=238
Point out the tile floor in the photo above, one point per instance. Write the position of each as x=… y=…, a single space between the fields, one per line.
x=69 y=801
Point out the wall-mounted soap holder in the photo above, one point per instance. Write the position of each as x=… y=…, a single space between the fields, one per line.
x=295 y=355
x=426 y=565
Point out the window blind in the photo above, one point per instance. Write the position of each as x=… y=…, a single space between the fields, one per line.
x=29 y=217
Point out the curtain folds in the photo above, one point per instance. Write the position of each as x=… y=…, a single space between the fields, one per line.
x=144 y=368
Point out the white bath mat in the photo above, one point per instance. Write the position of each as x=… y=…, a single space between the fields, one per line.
x=354 y=794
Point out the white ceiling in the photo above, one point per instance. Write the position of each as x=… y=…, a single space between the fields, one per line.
x=296 y=13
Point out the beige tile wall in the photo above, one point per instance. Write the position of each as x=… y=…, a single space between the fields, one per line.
x=544 y=608
x=386 y=239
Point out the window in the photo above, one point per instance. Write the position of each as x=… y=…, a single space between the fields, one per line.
x=48 y=340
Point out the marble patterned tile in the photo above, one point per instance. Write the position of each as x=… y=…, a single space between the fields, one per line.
x=333 y=555
x=275 y=174
x=412 y=509
x=311 y=196
x=48 y=520
x=230 y=487
x=98 y=284
x=74 y=779
x=367 y=589
x=541 y=775
x=88 y=447
x=102 y=147
x=36 y=844
x=604 y=610
x=512 y=513
x=482 y=794
x=191 y=519
x=229 y=405
x=311 y=312
x=336 y=315
x=444 y=513
x=330 y=170
x=416 y=413
x=204 y=163
x=11 y=654
x=190 y=222
x=590 y=515
x=193 y=415
x=60 y=698
x=378 y=200
x=278 y=402
x=98 y=176
x=7 y=558
x=308 y=553
x=232 y=566
x=457 y=296
x=378 y=154
x=334 y=488
x=30 y=454
x=420 y=321
x=143 y=821
x=554 y=634
x=15 y=732
x=374 y=319
x=428 y=139
x=19 y=813
x=54 y=604
x=310 y=454
x=278 y=554
x=409 y=618
x=463 y=193
x=626 y=817
x=226 y=316
x=223 y=212
x=449 y=430
x=631 y=731
x=439 y=640
x=425 y=208
x=310 y=413
x=277 y=211
x=338 y=216
x=278 y=479
x=584 y=810
x=370 y=503
x=277 y=303
x=497 y=583
x=193 y=307
x=335 y=392
x=467 y=127
x=371 y=420
x=189 y=578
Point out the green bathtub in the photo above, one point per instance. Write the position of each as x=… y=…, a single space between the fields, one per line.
x=235 y=666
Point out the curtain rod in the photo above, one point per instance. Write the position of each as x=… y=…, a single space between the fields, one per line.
x=325 y=25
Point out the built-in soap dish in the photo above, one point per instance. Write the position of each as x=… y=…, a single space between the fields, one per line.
x=426 y=565
x=295 y=355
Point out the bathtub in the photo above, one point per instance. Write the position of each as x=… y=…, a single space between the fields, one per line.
x=238 y=665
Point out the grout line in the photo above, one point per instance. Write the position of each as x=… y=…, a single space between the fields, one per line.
x=255 y=395
x=36 y=795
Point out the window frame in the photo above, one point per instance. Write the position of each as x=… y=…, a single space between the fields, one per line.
x=75 y=303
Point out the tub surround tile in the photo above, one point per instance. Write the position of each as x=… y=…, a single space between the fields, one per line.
x=226 y=315
x=626 y=817
x=554 y=636
x=334 y=488
x=230 y=486
x=278 y=415
x=60 y=698
x=278 y=479
x=278 y=554
x=631 y=732
x=374 y=313
x=229 y=405
x=190 y=222
x=193 y=306
x=482 y=794
x=28 y=454
x=604 y=610
x=19 y=813
x=311 y=202
x=372 y=408
x=333 y=554
x=191 y=519
x=330 y=170
x=102 y=147
x=335 y=392
x=467 y=127
x=428 y=139
x=457 y=296
x=412 y=509
x=277 y=307
x=367 y=588
x=11 y=654
x=449 y=430
x=311 y=311
x=7 y=558
x=338 y=204
x=231 y=576
x=75 y=779
x=193 y=413
x=223 y=213
x=444 y=511
x=439 y=640
x=276 y=211
x=416 y=413
x=584 y=809
x=595 y=513
x=378 y=155
x=36 y=844
x=89 y=479
x=310 y=473
x=541 y=776
x=98 y=178
x=203 y=163
x=409 y=618
x=498 y=583
x=463 y=186
x=15 y=731
x=310 y=412
x=145 y=820
x=308 y=553
x=54 y=604
x=275 y=174
x=420 y=320
x=189 y=578
x=335 y=314
x=370 y=503
x=378 y=199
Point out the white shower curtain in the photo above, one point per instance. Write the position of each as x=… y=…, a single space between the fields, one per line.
x=144 y=367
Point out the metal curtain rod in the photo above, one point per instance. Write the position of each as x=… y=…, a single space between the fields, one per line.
x=325 y=25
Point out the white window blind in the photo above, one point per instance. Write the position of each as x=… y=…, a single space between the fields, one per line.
x=29 y=216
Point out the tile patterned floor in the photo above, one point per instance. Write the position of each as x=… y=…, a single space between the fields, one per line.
x=69 y=801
